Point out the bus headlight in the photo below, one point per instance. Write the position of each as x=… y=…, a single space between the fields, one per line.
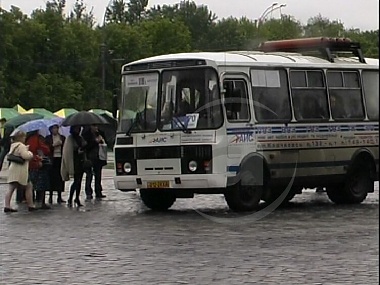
x=127 y=167
x=193 y=166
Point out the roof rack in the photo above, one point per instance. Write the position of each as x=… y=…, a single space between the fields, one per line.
x=325 y=46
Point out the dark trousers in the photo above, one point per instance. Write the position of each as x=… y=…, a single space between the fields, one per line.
x=3 y=154
x=76 y=186
x=56 y=182
x=20 y=195
x=96 y=172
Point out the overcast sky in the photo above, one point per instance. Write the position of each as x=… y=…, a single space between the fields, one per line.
x=362 y=14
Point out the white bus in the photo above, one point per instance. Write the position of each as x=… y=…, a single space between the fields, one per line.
x=250 y=124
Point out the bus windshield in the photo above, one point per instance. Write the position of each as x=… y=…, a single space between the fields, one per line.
x=139 y=103
x=190 y=99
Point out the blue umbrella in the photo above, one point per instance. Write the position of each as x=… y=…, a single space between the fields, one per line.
x=42 y=126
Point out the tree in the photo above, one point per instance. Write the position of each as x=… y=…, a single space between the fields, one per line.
x=165 y=36
x=198 y=19
x=323 y=27
x=276 y=29
x=122 y=12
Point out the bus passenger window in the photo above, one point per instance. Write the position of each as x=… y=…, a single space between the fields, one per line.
x=271 y=96
x=345 y=95
x=371 y=93
x=236 y=100
x=309 y=101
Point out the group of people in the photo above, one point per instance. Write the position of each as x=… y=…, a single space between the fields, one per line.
x=52 y=160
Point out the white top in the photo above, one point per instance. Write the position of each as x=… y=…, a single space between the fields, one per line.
x=57 y=149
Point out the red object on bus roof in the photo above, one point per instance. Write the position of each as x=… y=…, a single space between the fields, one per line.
x=294 y=45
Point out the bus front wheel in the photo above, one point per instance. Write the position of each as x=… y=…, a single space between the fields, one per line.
x=244 y=197
x=157 y=200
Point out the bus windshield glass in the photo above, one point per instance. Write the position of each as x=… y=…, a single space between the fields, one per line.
x=190 y=99
x=139 y=103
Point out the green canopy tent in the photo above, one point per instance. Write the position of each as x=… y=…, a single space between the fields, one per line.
x=8 y=113
x=41 y=111
x=19 y=109
x=65 y=112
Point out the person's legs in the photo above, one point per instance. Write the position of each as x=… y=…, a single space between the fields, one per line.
x=29 y=196
x=98 y=180
x=20 y=195
x=71 y=194
x=50 y=197
x=78 y=186
x=61 y=187
x=8 y=195
x=3 y=153
x=88 y=189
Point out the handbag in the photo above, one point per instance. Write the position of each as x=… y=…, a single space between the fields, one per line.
x=11 y=157
x=103 y=152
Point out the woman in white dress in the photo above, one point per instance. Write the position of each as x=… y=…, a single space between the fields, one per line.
x=18 y=173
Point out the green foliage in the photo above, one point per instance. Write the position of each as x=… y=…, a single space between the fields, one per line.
x=52 y=60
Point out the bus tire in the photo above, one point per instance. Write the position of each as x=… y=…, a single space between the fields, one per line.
x=243 y=198
x=157 y=200
x=336 y=194
x=354 y=190
x=358 y=185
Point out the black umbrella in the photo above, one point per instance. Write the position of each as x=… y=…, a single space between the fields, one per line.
x=84 y=118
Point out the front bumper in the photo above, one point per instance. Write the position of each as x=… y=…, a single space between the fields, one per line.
x=198 y=181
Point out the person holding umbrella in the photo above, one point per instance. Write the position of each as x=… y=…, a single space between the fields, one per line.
x=73 y=162
x=95 y=142
x=74 y=158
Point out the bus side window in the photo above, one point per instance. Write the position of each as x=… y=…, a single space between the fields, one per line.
x=270 y=95
x=371 y=93
x=236 y=100
x=309 y=95
x=345 y=95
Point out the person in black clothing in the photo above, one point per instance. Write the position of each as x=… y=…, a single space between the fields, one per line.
x=5 y=141
x=73 y=163
x=55 y=141
x=94 y=140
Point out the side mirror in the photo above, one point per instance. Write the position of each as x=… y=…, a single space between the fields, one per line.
x=115 y=106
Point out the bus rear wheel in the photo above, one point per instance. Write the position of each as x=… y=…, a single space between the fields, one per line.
x=157 y=200
x=354 y=190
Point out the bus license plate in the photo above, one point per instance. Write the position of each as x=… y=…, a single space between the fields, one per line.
x=158 y=184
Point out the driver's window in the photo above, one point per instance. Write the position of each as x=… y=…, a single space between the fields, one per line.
x=236 y=100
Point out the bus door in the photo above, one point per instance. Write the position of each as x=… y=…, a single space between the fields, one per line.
x=240 y=133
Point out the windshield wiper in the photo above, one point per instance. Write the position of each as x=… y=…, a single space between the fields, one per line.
x=135 y=120
x=183 y=127
x=133 y=125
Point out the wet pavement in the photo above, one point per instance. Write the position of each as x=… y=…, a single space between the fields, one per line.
x=119 y=241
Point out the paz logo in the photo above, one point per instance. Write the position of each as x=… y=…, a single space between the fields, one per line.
x=159 y=140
